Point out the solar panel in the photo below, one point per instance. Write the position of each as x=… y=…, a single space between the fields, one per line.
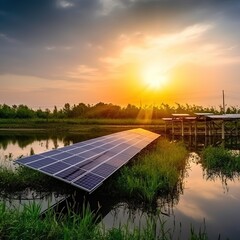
x=87 y=164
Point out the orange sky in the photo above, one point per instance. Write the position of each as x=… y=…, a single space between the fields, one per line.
x=119 y=52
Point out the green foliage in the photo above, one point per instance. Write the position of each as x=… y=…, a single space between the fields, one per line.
x=221 y=160
x=156 y=171
x=103 y=110
x=27 y=225
x=22 y=178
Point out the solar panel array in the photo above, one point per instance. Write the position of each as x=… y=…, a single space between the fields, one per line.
x=87 y=164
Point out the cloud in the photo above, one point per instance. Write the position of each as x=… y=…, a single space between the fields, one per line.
x=6 y=38
x=167 y=51
x=64 y=4
x=84 y=72
x=80 y=39
x=108 y=5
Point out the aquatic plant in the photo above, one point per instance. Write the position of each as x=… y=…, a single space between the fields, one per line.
x=158 y=170
x=15 y=180
x=220 y=160
x=27 y=224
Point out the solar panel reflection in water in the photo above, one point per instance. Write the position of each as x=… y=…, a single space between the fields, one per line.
x=87 y=164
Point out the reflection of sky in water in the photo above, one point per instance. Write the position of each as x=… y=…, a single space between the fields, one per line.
x=14 y=151
x=209 y=200
x=45 y=200
x=202 y=200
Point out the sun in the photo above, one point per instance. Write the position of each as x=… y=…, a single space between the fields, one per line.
x=154 y=77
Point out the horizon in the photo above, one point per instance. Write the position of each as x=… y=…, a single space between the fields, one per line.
x=121 y=52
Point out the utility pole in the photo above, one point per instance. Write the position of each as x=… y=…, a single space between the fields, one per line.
x=223 y=101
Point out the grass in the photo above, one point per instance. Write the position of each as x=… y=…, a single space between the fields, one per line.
x=156 y=171
x=15 y=180
x=27 y=225
x=220 y=160
x=72 y=123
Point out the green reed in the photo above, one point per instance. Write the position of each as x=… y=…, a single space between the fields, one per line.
x=221 y=160
x=158 y=170
x=28 y=225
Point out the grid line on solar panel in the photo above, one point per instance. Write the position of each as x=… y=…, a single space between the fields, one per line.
x=104 y=170
x=93 y=156
x=109 y=158
x=65 y=153
x=89 y=181
x=110 y=172
x=87 y=157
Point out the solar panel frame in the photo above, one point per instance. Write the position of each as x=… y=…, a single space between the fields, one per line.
x=93 y=160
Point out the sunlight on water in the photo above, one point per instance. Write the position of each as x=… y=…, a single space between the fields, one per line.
x=211 y=202
x=204 y=203
x=13 y=150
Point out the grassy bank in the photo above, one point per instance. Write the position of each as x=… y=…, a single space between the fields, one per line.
x=158 y=170
x=71 y=123
x=27 y=225
x=18 y=180
x=220 y=160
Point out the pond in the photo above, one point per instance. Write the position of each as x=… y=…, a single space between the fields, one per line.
x=205 y=202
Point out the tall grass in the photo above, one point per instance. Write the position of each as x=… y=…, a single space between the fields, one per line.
x=220 y=160
x=66 y=123
x=15 y=180
x=27 y=225
x=158 y=170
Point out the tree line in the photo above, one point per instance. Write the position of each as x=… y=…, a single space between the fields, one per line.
x=106 y=110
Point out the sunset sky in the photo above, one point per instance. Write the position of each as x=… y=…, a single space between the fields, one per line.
x=119 y=51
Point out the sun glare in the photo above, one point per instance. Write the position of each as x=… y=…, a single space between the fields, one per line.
x=153 y=77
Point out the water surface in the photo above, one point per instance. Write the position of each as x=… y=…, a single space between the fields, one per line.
x=204 y=202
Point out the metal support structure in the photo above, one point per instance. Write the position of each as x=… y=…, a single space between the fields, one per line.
x=218 y=127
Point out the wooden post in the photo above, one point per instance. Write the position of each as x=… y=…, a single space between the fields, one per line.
x=210 y=128
x=195 y=128
x=205 y=127
x=223 y=130
x=236 y=128
x=172 y=128
x=182 y=128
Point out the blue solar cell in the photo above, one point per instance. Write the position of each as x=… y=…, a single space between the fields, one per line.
x=99 y=150
x=50 y=153
x=88 y=147
x=77 y=151
x=95 y=161
x=118 y=160
x=131 y=151
x=104 y=170
x=66 y=148
x=73 y=160
x=88 y=154
x=29 y=159
x=89 y=181
x=62 y=155
x=42 y=162
x=118 y=149
x=71 y=173
x=54 y=168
